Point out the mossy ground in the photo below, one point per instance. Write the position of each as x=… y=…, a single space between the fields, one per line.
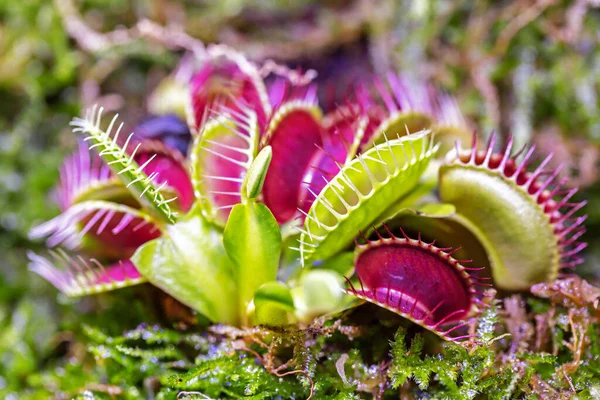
x=530 y=348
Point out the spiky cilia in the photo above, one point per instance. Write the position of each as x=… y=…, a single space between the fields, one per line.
x=404 y=105
x=220 y=157
x=408 y=108
x=102 y=219
x=77 y=276
x=361 y=191
x=124 y=164
x=227 y=75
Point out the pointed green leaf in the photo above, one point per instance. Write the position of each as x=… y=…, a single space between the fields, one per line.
x=190 y=264
x=253 y=241
x=255 y=178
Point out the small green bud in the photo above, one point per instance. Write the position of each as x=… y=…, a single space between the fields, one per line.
x=272 y=303
x=323 y=291
x=255 y=177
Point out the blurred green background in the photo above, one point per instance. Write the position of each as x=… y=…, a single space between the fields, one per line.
x=526 y=68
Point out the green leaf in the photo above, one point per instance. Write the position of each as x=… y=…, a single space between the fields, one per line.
x=253 y=241
x=255 y=177
x=190 y=264
x=273 y=301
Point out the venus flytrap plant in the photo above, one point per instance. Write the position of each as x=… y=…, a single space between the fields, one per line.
x=377 y=283
x=420 y=282
x=259 y=168
x=295 y=133
x=188 y=261
x=220 y=157
x=362 y=190
x=193 y=260
x=522 y=247
x=523 y=219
